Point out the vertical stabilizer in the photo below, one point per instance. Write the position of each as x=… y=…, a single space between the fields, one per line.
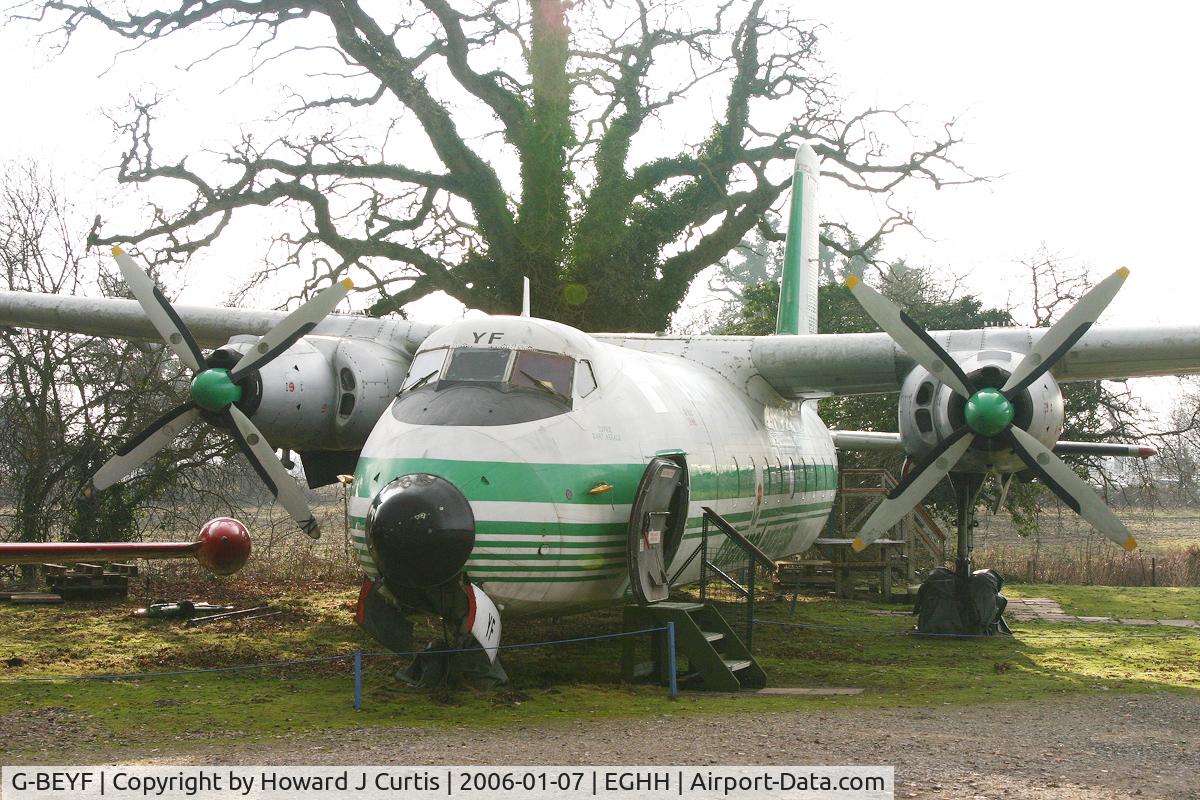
x=798 y=286
x=525 y=297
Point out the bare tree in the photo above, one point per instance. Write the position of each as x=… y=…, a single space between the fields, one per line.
x=457 y=145
x=67 y=400
x=1094 y=411
x=1174 y=474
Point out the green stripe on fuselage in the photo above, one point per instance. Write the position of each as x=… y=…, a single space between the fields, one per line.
x=509 y=481
x=523 y=482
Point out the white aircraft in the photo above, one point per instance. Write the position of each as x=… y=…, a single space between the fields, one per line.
x=517 y=465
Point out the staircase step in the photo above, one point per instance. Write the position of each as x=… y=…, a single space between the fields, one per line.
x=689 y=607
x=735 y=665
x=713 y=636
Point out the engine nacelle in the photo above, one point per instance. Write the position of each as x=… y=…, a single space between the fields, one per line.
x=929 y=411
x=322 y=393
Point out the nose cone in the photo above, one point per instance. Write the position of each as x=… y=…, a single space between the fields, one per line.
x=420 y=531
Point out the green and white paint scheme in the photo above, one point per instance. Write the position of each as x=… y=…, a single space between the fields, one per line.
x=544 y=541
x=551 y=493
x=798 y=284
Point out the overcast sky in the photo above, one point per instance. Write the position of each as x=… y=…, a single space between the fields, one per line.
x=1087 y=111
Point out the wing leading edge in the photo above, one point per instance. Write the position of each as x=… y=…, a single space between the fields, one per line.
x=866 y=363
x=212 y=326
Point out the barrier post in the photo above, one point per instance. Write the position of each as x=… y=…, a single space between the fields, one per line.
x=672 y=677
x=358 y=680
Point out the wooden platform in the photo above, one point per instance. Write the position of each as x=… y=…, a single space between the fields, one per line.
x=839 y=566
x=90 y=581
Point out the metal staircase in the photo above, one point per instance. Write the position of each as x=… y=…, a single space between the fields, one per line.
x=711 y=655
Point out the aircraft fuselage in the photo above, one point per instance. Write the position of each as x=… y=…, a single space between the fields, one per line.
x=549 y=535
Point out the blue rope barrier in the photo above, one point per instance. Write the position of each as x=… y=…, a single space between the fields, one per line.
x=357 y=657
x=523 y=646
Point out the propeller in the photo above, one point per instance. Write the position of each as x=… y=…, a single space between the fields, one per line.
x=989 y=412
x=215 y=391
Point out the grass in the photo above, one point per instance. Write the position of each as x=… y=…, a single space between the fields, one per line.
x=1122 y=602
x=849 y=646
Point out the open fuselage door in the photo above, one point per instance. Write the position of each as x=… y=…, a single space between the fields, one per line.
x=656 y=524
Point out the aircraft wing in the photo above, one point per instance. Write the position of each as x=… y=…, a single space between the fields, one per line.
x=819 y=365
x=865 y=363
x=211 y=325
x=796 y=367
x=882 y=440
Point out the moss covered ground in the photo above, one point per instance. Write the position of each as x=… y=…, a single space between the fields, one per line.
x=847 y=643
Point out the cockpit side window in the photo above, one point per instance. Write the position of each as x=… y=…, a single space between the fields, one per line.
x=547 y=371
x=424 y=368
x=478 y=365
x=585 y=379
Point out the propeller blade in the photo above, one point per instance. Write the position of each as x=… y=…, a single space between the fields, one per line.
x=282 y=485
x=911 y=337
x=138 y=450
x=483 y=621
x=289 y=329
x=914 y=487
x=1063 y=334
x=1070 y=488
x=168 y=324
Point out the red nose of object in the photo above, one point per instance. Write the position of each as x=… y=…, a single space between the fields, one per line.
x=224 y=546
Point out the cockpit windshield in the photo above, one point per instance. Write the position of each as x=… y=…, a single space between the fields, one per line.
x=506 y=386
x=520 y=369
x=478 y=364
x=547 y=371
x=424 y=368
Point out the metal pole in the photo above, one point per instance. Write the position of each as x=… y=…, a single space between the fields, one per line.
x=750 y=607
x=672 y=678
x=704 y=559
x=962 y=561
x=358 y=680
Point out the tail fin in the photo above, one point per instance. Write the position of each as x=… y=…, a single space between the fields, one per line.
x=798 y=286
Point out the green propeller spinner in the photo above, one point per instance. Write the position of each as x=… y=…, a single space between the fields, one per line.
x=213 y=390
x=988 y=412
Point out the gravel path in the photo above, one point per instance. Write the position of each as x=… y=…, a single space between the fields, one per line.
x=1145 y=746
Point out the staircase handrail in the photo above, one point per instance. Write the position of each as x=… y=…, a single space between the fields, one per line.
x=748 y=547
